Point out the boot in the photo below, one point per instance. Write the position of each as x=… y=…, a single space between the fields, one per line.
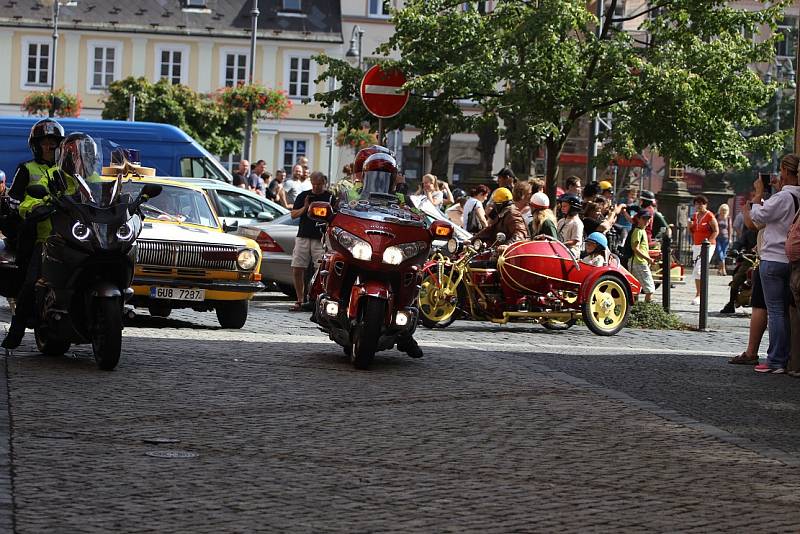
x=410 y=347
x=15 y=333
x=729 y=308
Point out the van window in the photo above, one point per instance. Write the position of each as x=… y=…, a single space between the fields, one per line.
x=233 y=204
x=200 y=167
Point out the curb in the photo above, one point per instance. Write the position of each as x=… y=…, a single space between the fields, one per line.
x=6 y=466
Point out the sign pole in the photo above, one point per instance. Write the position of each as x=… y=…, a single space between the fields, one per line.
x=380 y=133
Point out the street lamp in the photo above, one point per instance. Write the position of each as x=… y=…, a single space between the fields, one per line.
x=56 y=8
x=248 y=127
x=355 y=44
x=785 y=77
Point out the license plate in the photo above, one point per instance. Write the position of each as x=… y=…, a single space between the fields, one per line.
x=176 y=293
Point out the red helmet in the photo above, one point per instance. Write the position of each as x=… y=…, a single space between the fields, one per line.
x=378 y=174
x=365 y=153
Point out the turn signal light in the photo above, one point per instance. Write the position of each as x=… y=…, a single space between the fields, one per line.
x=320 y=211
x=441 y=230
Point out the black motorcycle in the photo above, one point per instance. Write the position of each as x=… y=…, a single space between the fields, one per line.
x=87 y=266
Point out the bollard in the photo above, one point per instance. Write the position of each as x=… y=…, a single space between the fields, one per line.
x=704 y=285
x=666 y=279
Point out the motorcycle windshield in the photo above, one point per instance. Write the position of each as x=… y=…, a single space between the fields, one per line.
x=375 y=182
x=98 y=193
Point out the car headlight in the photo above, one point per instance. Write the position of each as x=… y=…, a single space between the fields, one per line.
x=125 y=232
x=360 y=249
x=397 y=254
x=80 y=231
x=247 y=259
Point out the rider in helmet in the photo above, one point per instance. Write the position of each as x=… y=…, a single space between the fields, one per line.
x=596 y=249
x=505 y=218
x=349 y=190
x=75 y=156
x=380 y=174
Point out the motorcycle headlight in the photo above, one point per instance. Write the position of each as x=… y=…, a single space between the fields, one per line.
x=360 y=249
x=125 y=232
x=247 y=259
x=80 y=231
x=397 y=254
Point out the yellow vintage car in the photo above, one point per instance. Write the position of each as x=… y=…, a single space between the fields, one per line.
x=185 y=259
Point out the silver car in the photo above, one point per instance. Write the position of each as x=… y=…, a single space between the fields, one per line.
x=276 y=239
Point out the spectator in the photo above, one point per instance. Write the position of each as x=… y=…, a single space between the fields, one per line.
x=776 y=213
x=455 y=213
x=744 y=245
x=703 y=225
x=255 y=182
x=657 y=226
x=570 y=228
x=624 y=222
x=308 y=244
x=430 y=189
x=276 y=189
x=573 y=186
x=723 y=239
x=543 y=220
x=641 y=260
x=444 y=187
x=296 y=184
x=607 y=190
x=475 y=222
x=591 y=190
x=522 y=200
x=240 y=179
x=266 y=176
x=347 y=171
x=758 y=317
x=537 y=185
x=506 y=178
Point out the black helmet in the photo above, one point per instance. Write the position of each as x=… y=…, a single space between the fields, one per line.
x=647 y=195
x=77 y=155
x=458 y=194
x=44 y=128
x=573 y=200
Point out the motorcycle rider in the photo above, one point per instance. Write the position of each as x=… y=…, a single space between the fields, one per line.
x=349 y=190
x=505 y=218
x=76 y=155
x=596 y=250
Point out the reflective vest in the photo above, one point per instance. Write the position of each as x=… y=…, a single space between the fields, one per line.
x=40 y=174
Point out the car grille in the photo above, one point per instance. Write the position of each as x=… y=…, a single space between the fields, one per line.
x=184 y=255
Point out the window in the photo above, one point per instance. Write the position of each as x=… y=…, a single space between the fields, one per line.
x=201 y=167
x=788 y=27
x=234 y=66
x=292 y=149
x=104 y=64
x=292 y=5
x=378 y=8
x=299 y=76
x=172 y=63
x=36 y=66
x=234 y=204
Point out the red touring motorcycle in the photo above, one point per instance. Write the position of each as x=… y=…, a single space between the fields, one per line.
x=531 y=281
x=365 y=290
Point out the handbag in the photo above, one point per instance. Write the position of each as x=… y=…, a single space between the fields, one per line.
x=792 y=244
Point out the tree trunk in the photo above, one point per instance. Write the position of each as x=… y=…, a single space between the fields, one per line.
x=488 y=136
x=554 y=147
x=440 y=154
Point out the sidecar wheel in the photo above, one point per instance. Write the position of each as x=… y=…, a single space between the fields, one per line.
x=107 y=332
x=606 y=309
x=368 y=332
x=49 y=346
x=437 y=310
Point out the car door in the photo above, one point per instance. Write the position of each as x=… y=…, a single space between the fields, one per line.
x=243 y=208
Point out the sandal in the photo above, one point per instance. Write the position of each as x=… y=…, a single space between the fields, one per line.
x=743 y=359
x=296 y=307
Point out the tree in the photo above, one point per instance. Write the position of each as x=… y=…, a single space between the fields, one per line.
x=682 y=84
x=200 y=116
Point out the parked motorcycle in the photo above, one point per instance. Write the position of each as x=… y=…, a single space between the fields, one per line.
x=533 y=281
x=365 y=290
x=87 y=266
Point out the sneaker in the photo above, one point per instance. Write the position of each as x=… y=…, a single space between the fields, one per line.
x=695 y=301
x=729 y=308
x=764 y=368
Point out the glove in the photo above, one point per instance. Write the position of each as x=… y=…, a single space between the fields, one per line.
x=41 y=212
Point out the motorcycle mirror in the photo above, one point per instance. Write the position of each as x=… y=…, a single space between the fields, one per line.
x=150 y=190
x=501 y=237
x=230 y=228
x=36 y=191
x=264 y=216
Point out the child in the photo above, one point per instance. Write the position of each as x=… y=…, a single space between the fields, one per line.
x=570 y=228
x=596 y=250
x=641 y=261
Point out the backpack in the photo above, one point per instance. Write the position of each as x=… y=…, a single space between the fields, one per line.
x=473 y=224
x=792 y=244
x=627 y=249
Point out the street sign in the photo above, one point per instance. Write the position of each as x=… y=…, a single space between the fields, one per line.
x=381 y=93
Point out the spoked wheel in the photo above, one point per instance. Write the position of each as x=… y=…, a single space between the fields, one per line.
x=437 y=301
x=606 y=309
x=49 y=346
x=107 y=332
x=367 y=332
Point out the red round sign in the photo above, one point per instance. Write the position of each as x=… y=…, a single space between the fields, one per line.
x=381 y=93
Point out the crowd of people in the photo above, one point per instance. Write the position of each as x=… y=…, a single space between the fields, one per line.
x=277 y=188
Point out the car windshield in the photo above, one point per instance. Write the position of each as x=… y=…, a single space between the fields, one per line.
x=177 y=204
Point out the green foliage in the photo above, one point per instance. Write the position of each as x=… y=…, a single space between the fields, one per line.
x=652 y=316
x=200 y=116
x=263 y=101
x=544 y=65
x=39 y=103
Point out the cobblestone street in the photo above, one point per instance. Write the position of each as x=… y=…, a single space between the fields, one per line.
x=501 y=429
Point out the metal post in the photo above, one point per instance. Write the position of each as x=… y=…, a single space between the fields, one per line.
x=778 y=99
x=248 y=128
x=666 y=279
x=594 y=127
x=704 y=285
x=132 y=108
x=380 y=133
x=56 y=7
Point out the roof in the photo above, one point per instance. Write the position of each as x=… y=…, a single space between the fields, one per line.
x=317 y=20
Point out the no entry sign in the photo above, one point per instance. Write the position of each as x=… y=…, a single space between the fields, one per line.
x=381 y=93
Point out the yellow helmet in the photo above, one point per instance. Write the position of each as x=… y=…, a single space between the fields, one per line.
x=501 y=194
x=605 y=185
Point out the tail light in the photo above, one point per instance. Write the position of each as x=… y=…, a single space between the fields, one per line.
x=266 y=243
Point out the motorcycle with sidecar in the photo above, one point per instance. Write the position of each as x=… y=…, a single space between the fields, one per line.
x=528 y=281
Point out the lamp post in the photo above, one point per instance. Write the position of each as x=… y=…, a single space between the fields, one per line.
x=355 y=44
x=56 y=9
x=248 y=126
x=784 y=74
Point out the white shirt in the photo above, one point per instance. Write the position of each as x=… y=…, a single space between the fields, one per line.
x=469 y=205
x=294 y=188
x=777 y=213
